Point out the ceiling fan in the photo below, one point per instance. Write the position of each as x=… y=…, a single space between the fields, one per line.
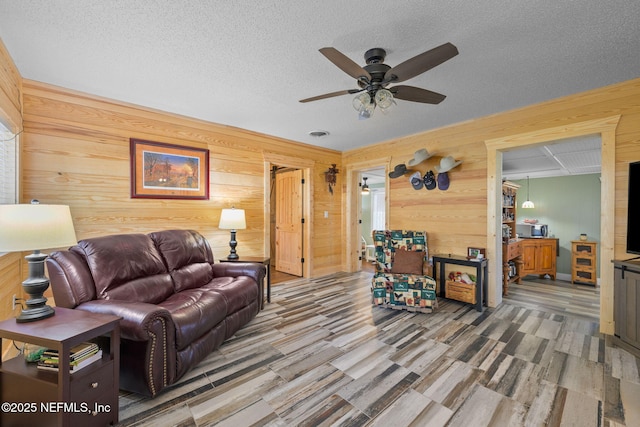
x=374 y=78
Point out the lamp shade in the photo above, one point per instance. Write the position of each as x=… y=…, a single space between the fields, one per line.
x=28 y=227
x=232 y=219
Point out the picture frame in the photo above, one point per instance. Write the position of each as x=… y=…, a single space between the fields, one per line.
x=168 y=171
x=472 y=253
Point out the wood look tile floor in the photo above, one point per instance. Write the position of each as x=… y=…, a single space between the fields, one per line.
x=320 y=354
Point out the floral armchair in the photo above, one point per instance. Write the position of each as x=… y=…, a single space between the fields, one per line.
x=402 y=279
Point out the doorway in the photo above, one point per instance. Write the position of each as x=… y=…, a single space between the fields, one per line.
x=376 y=171
x=301 y=204
x=606 y=128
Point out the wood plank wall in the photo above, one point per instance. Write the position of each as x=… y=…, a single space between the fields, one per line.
x=76 y=152
x=456 y=218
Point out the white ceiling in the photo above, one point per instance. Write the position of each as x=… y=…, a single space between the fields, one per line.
x=247 y=63
x=571 y=156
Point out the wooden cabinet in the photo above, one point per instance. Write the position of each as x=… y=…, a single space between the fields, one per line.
x=511 y=248
x=86 y=397
x=509 y=204
x=511 y=263
x=583 y=262
x=539 y=257
x=626 y=300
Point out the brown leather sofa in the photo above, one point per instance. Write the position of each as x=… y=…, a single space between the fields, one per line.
x=176 y=305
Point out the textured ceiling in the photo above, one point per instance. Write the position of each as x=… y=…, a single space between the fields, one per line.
x=247 y=63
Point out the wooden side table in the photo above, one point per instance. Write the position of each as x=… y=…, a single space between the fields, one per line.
x=31 y=396
x=481 y=266
x=257 y=260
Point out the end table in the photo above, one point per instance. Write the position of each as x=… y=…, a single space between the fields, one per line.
x=257 y=260
x=86 y=397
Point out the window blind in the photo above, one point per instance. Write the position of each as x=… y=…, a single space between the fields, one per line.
x=8 y=166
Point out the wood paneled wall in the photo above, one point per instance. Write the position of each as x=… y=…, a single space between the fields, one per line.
x=11 y=265
x=76 y=152
x=457 y=218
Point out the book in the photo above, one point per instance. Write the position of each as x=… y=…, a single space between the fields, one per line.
x=73 y=366
x=77 y=352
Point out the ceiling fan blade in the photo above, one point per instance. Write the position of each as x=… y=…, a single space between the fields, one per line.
x=345 y=63
x=421 y=63
x=416 y=94
x=331 y=95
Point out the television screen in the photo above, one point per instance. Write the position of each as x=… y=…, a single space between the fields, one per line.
x=633 y=213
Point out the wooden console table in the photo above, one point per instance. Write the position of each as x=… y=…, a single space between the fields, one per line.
x=481 y=266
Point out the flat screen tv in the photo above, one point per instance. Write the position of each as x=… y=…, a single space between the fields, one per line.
x=633 y=215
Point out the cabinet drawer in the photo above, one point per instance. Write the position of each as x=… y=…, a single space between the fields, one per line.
x=580 y=261
x=587 y=276
x=460 y=291
x=584 y=248
x=92 y=381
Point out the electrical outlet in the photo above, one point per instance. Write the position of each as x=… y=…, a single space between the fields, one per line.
x=15 y=300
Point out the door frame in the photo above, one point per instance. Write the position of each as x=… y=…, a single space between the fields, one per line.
x=354 y=208
x=606 y=128
x=273 y=159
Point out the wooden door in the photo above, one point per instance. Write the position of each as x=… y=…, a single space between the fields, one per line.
x=289 y=222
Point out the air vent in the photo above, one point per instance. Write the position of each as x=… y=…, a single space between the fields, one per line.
x=318 y=133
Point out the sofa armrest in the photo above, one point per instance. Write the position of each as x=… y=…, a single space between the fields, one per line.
x=235 y=269
x=147 y=350
x=138 y=318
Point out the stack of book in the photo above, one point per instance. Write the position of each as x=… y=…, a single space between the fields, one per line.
x=81 y=355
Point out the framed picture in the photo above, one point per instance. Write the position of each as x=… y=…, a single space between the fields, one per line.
x=475 y=253
x=166 y=171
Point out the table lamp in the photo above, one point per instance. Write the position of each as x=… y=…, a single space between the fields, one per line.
x=232 y=219
x=34 y=227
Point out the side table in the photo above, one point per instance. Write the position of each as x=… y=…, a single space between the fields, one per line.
x=257 y=260
x=481 y=266
x=37 y=397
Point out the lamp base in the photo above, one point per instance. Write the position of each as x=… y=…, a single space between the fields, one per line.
x=233 y=243
x=35 y=286
x=34 y=314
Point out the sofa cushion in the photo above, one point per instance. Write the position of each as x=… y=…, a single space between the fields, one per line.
x=238 y=292
x=187 y=256
x=127 y=267
x=194 y=312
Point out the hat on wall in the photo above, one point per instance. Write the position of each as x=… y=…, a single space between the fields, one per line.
x=443 y=181
x=446 y=164
x=398 y=171
x=416 y=180
x=420 y=156
x=429 y=180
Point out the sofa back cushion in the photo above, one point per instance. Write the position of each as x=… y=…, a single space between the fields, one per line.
x=127 y=267
x=70 y=277
x=187 y=256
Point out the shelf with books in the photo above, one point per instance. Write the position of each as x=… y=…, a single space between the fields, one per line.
x=80 y=356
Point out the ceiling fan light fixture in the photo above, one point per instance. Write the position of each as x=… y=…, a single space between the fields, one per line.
x=384 y=99
x=366 y=111
x=361 y=101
